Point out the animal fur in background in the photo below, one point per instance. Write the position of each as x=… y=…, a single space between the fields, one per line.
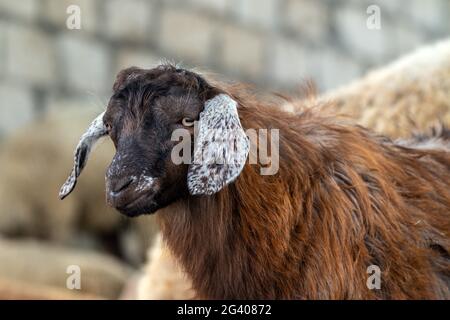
x=408 y=95
x=163 y=277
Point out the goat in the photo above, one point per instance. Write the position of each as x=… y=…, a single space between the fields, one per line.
x=418 y=85
x=343 y=199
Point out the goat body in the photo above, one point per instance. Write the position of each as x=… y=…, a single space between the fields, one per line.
x=343 y=203
x=343 y=199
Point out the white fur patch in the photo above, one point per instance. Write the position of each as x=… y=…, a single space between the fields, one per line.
x=431 y=144
x=145 y=183
x=221 y=147
x=95 y=131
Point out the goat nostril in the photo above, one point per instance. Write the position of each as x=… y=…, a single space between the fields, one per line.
x=121 y=185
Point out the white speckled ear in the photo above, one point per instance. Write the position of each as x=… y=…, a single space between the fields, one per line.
x=95 y=131
x=221 y=147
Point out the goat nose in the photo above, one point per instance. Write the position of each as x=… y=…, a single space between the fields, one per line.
x=119 y=186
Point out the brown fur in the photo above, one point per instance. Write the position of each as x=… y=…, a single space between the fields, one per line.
x=343 y=199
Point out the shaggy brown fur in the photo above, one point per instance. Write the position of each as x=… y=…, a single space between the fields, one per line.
x=343 y=199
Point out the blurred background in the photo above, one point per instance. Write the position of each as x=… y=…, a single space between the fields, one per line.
x=54 y=79
x=272 y=43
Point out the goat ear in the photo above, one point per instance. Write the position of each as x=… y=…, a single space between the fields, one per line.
x=95 y=131
x=221 y=147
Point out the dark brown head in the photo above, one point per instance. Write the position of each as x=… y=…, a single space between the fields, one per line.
x=175 y=136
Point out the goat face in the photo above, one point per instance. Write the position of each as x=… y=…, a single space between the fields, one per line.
x=146 y=109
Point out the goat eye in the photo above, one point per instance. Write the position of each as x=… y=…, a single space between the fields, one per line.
x=108 y=127
x=187 y=122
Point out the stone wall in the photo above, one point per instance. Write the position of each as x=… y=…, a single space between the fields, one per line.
x=277 y=44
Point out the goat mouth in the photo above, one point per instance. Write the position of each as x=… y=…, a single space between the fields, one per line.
x=143 y=204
